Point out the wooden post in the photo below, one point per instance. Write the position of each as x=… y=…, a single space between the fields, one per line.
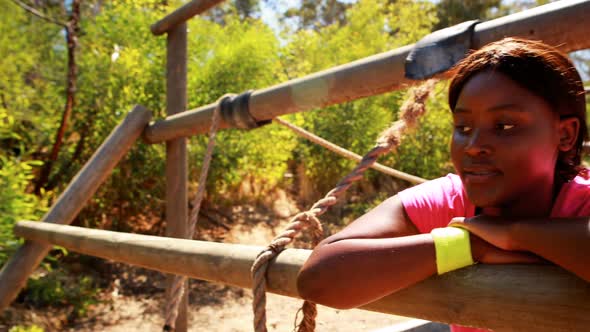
x=15 y=272
x=176 y=153
x=539 y=298
x=563 y=24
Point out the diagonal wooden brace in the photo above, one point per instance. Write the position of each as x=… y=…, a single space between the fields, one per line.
x=19 y=267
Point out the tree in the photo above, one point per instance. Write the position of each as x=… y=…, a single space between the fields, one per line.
x=71 y=29
x=244 y=9
x=235 y=57
x=372 y=26
x=26 y=102
x=317 y=14
x=451 y=12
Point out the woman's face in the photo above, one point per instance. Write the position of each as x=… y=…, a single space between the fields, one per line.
x=505 y=145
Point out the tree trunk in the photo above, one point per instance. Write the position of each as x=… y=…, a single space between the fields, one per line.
x=72 y=28
x=65 y=170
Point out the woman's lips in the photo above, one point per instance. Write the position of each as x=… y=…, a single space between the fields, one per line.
x=480 y=175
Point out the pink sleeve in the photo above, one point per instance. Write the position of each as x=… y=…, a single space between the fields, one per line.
x=573 y=199
x=434 y=203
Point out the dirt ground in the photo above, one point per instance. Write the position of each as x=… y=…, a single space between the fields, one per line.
x=231 y=314
x=136 y=297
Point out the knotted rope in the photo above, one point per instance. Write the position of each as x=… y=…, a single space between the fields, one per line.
x=389 y=140
x=177 y=288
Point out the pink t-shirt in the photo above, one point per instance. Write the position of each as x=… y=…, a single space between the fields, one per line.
x=434 y=203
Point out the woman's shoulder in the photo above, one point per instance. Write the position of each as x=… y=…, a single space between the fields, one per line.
x=448 y=185
x=579 y=184
x=583 y=178
x=434 y=203
x=574 y=197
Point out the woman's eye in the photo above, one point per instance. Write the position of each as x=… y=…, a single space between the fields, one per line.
x=503 y=126
x=462 y=129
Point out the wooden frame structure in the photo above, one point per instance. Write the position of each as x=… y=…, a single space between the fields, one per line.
x=556 y=302
x=533 y=297
x=563 y=23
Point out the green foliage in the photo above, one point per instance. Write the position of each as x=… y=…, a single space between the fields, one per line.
x=28 y=328
x=356 y=208
x=57 y=289
x=15 y=203
x=451 y=12
x=244 y=9
x=28 y=100
x=373 y=27
x=426 y=151
x=121 y=64
x=236 y=57
x=311 y=14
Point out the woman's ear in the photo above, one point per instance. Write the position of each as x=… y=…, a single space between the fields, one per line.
x=569 y=129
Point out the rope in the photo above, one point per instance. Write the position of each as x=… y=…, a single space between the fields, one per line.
x=389 y=140
x=177 y=288
x=348 y=154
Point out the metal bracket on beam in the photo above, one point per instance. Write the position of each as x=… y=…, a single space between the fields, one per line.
x=235 y=111
x=439 y=51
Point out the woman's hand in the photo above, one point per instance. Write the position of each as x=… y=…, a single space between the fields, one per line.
x=491 y=240
x=494 y=230
x=487 y=253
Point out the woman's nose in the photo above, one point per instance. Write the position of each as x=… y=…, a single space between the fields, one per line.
x=478 y=143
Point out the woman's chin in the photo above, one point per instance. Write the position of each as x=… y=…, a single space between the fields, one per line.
x=485 y=200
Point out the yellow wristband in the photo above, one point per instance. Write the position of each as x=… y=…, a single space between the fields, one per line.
x=453 y=249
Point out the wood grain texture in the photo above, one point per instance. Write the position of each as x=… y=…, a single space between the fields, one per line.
x=498 y=297
x=176 y=153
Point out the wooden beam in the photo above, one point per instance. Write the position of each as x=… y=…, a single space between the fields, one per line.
x=499 y=297
x=176 y=154
x=182 y=15
x=23 y=262
x=563 y=24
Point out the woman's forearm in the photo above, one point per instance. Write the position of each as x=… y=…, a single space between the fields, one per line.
x=351 y=272
x=565 y=242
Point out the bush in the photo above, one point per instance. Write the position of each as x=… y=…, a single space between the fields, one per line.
x=426 y=151
x=15 y=202
x=57 y=289
x=29 y=328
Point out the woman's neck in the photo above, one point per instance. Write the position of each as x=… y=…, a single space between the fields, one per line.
x=535 y=202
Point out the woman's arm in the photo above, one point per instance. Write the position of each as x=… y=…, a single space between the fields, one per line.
x=565 y=242
x=378 y=254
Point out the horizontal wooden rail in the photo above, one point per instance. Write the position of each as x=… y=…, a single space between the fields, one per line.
x=182 y=15
x=564 y=24
x=502 y=297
